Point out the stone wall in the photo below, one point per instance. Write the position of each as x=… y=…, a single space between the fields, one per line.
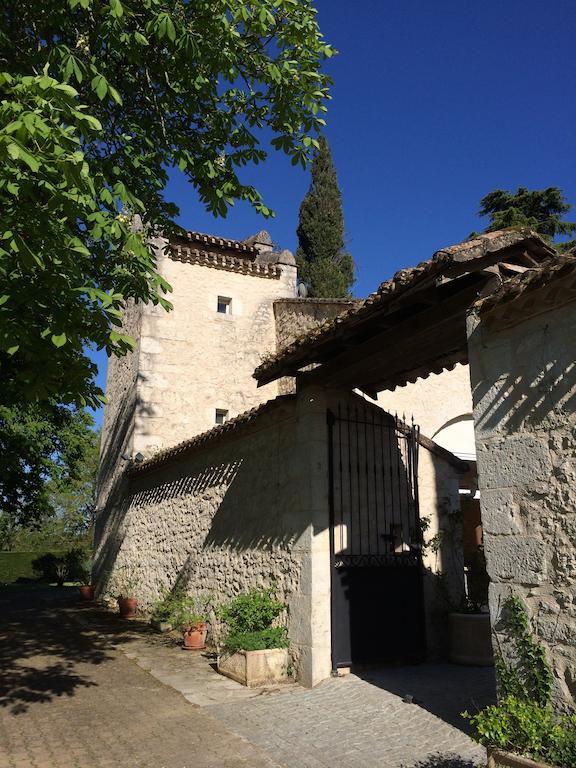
x=250 y=507
x=295 y=317
x=524 y=391
x=235 y=514
x=120 y=411
x=190 y=361
x=195 y=360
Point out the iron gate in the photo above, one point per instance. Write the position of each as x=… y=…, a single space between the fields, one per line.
x=375 y=538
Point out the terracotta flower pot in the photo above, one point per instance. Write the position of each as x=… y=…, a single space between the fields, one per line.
x=194 y=638
x=86 y=592
x=128 y=607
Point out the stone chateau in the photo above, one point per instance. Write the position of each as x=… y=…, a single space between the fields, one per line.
x=257 y=438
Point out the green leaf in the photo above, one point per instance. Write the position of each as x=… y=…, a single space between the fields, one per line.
x=59 y=339
x=116 y=8
x=139 y=37
x=92 y=121
x=100 y=85
x=115 y=95
x=165 y=27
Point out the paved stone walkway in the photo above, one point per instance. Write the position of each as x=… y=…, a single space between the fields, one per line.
x=69 y=698
x=354 y=722
x=85 y=689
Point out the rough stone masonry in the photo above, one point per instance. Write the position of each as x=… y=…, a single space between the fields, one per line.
x=524 y=389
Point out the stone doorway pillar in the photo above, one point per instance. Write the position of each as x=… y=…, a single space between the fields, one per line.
x=523 y=376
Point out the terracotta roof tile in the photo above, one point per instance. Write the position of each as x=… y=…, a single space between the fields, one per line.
x=222 y=243
x=563 y=267
x=402 y=281
x=225 y=261
x=210 y=436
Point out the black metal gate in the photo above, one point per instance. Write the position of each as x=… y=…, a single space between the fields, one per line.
x=375 y=538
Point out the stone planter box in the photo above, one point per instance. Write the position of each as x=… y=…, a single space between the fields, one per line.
x=255 y=668
x=161 y=626
x=499 y=759
x=471 y=639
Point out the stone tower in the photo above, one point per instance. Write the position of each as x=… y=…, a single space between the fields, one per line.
x=192 y=368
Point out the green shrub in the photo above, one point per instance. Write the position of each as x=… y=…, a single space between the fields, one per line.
x=523 y=721
x=46 y=566
x=77 y=566
x=249 y=620
x=180 y=609
x=252 y=612
x=163 y=607
x=563 y=751
x=528 y=728
x=71 y=566
x=517 y=725
x=273 y=637
x=187 y=611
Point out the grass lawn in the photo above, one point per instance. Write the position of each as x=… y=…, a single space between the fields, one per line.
x=18 y=564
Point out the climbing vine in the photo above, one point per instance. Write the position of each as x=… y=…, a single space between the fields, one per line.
x=527 y=674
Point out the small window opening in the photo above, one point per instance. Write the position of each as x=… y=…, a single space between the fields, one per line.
x=224 y=305
x=221 y=416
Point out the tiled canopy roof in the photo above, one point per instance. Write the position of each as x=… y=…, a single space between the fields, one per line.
x=558 y=275
x=478 y=255
x=309 y=300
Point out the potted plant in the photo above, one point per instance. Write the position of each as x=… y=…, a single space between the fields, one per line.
x=522 y=730
x=470 y=630
x=189 y=616
x=85 y=588
x=123 y=585
x=255 y=649
x=163 y=609
x=470 y=635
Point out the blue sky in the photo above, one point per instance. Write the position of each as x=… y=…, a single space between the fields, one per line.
x=434 y=105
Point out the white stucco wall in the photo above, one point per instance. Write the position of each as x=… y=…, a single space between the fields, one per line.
x=437 y=403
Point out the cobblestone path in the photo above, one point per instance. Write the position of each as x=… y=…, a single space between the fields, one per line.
x=69 y=698
x=352 y=722
x=75 y=693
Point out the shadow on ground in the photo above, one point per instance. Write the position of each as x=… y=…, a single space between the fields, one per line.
x=445 y=690
x=41 y=647
x=446 y=761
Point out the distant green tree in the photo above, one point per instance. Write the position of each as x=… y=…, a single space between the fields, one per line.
x=541 y=209
x=73 y=498
x=48 y=460
x=325 y=267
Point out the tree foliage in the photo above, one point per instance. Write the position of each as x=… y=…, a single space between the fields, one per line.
x=324 y=266
x=98 y=100
x=49 y=457
x=541 y=209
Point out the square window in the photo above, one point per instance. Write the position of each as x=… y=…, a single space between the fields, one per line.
x=221 y=416
x=224 y=306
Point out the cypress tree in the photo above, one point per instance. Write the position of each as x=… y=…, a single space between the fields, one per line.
x=324 y=266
